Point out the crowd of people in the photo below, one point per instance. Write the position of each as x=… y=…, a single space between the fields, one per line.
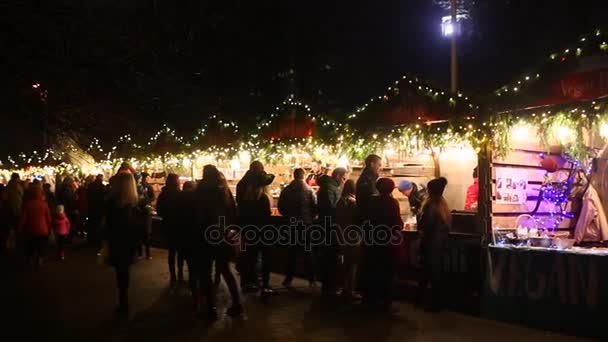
x=207 y=228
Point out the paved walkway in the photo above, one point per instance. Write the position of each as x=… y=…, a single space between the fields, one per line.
x=74 y=301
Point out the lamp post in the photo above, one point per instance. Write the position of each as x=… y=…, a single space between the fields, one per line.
x=454 y=62
x=450 y=28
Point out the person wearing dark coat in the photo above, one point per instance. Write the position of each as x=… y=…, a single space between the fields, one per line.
x=329 y=196
x=96 y=195
x=121 y=233
x=190 y=240
x=66 y=196
x=254 y=215
x=255 y=169
x=298 y=203
x=146 y=198
x=49 y=196
x=217 y=213
x=167 y=207
x=366 y=185
x=434 y=227
x=380 y=257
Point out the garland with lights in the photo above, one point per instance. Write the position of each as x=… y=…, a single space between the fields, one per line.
x=565 y=126
x=594 y=43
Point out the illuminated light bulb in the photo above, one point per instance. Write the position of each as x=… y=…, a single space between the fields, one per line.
x=343 y=162
x=604 y=130
x=521 y=132
x=563 y=134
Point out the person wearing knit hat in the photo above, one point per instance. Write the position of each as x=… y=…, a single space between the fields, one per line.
x=437 y=186
x=434 y=225
x=379 y=262
x=385 y=186
x=405 y=187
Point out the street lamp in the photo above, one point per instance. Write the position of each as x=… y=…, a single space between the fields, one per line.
x=451 y=28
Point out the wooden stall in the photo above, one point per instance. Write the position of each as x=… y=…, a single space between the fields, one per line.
x=539 y=271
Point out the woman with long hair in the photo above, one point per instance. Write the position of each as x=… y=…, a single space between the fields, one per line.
x=254 y=211
x=434 y=226
x=346 y=219
x=190 y=241
x=167 y=206
x=121 y=232
x=217 y=210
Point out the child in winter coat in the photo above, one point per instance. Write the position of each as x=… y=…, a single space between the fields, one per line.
x=61 y=228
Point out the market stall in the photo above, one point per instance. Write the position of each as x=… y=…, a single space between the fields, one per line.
x=423 y=132
x=546 y=252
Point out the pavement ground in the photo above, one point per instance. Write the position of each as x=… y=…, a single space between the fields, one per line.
x=75 y=300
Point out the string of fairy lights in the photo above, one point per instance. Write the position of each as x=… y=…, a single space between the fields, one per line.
x=593 y=43
x=354 y=142
x=564 y=125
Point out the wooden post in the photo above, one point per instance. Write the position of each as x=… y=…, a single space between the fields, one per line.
x=484 y=203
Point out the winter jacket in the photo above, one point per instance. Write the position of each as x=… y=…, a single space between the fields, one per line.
x=299 y=201
x=190 y=234
x=346 y=216
x=346 y=212
x=96 y=194
x=81 y=199
x=216 y=212
x=14 y=197
x=366 y=188
x=67 y=197
x=380 y=251
x=121 y=232
x=50 y=200
x=385 y=211
x=255 y=212
x=36 y=216
x=168 y=208
x=592 y=224
x=472 y=195
x=61 y=224
x=434 y=237
x=146 y=195
x=329 y=195
x=313 y=178
x=241 y=186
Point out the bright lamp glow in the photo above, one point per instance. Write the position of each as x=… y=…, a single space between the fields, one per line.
x=448 y=29
x=563 y=134
x=521 y=132
x=342 y=162
x=604 y=130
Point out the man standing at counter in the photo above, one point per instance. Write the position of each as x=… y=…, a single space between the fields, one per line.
x=473 y=192
x=366 y=185
x=298 y=202
x=316 y=172
x=329 y=195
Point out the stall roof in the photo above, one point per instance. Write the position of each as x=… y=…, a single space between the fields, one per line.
x=577 y=73
x=411 y=100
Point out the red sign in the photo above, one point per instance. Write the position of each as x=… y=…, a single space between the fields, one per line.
x=577 y=87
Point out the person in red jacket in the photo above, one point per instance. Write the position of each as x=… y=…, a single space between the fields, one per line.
x=472 y=192
x=35 y=224
x=61 y=228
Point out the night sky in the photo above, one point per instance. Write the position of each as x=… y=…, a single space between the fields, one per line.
x=139 y=63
